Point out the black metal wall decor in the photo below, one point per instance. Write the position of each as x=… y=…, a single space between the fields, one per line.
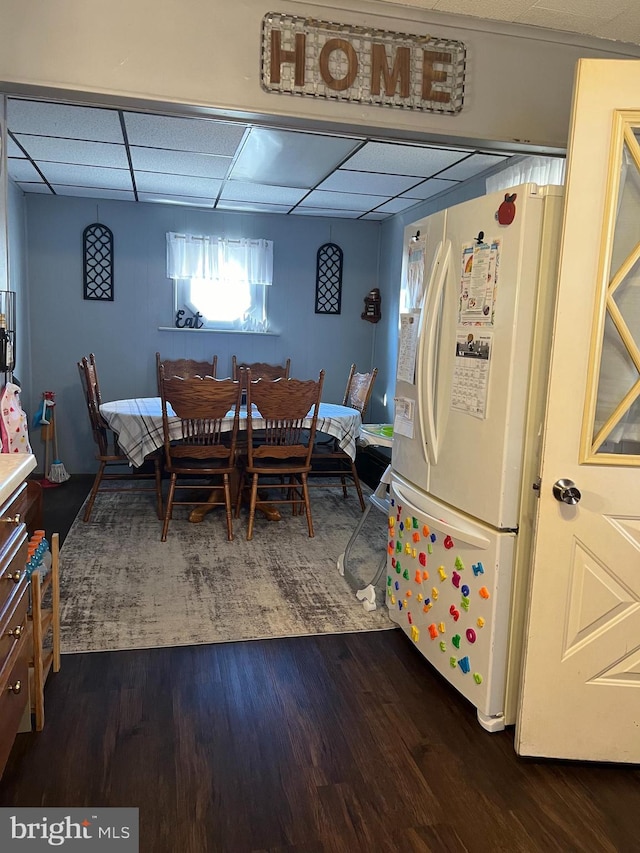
x=329 y=279
x=97 y=254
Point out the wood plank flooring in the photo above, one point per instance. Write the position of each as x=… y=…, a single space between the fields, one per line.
x=332 y=743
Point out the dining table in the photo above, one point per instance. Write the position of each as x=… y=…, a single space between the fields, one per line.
x=137 y=422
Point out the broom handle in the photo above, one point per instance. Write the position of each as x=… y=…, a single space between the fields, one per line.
x=55 y=434
x=46 y=455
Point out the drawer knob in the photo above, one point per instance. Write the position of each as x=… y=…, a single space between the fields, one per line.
x=16 y=633
x=14 y=576
x=15 y=688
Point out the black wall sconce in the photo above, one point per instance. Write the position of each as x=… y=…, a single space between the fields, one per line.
x=372 y=306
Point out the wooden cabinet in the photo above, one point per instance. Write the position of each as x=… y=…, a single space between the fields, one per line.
x=18 y=501
x=15 y=637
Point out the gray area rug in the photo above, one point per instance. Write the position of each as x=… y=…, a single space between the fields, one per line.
x=122 y=588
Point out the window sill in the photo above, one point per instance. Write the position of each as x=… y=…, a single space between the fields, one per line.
x=216 y=331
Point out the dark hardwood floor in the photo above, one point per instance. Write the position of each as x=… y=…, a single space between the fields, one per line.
x=330 y=743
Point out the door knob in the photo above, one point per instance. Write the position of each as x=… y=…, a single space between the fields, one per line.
x=566 y=492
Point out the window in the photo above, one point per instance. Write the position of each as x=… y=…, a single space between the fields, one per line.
x=223 y=280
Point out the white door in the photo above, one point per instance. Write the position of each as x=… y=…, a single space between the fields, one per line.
x=420 y=262
x=580 y=691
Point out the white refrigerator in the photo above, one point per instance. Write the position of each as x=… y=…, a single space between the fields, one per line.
x=477 y=301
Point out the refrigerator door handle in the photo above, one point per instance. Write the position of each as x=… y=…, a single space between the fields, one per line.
x=430 y=337
x=471 y=537
x=424 y=440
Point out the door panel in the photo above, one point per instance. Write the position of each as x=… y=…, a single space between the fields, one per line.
x=479 y=462
x=617 y=403
x=580 y=690
x=449 y=588
x=409 y=453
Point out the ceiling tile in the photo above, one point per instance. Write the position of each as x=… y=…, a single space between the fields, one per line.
x=205 y=162
x=183 y=200
x=288 y=158
x=241 y=191
x=346 y=181
x=13 y=150
x=22 y=170
x=342 y=201
x=473 y=165
x=327 y=211
x=180 y=162
x=429 y=188
x=395 y=205
x=89 y=192
x=64 y=120
x=58 y=150
x=202 y=136
x=86 y=176
x=28 y=187
x=150 y=182
x=397 y=159
x=254 y=206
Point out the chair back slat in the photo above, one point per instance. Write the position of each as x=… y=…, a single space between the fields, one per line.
x=358 y=391
x=202 y=431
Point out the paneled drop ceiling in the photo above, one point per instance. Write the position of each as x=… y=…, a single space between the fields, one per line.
x=71 y=150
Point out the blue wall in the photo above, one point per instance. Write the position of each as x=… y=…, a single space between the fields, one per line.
x=124 y=334
x=56 y=326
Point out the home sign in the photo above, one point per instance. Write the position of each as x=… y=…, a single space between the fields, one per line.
x=319 y=59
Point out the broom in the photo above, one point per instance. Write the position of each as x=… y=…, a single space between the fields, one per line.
x=45 y=435
x=57 y=472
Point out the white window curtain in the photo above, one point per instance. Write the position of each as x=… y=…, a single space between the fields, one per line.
x=534 y=170
x=219 y=258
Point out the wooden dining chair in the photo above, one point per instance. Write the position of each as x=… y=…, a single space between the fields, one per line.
x=92 y=376
x=278 y=445
x=204 y=450
x=328 y=460
x=186 y=367
x=259 y=370
x=108 y=452
x=358 y=391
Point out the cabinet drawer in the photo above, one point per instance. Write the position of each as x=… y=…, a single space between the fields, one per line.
x=25 y=502
x=12 y=704
x=13 y=560
x=13 y=625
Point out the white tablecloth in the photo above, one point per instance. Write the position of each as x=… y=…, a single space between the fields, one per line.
x=138 y=425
